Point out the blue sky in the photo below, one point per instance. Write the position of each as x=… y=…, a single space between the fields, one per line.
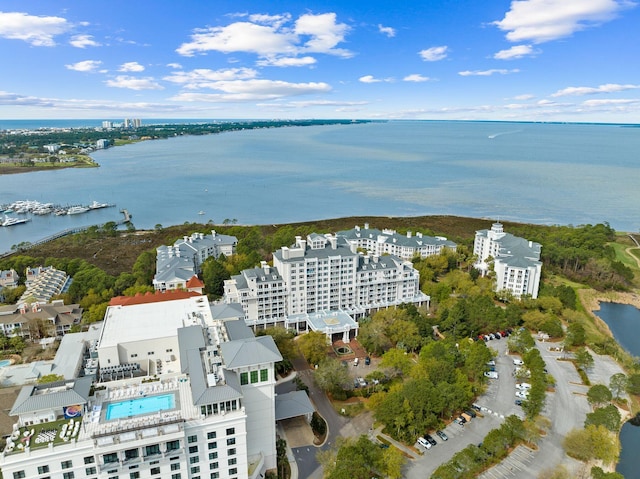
x=539 y=60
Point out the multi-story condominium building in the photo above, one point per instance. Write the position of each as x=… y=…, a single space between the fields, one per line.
x=516 y=261
x=262 y=294
x=386 y=241
x=8 y=278
x=177 y=264
x=38 y=320
x=319 y=274
x=177 y=395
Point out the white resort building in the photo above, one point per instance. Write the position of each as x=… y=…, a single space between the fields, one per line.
x=177 y=264
x=177 y=394
x=386 y=241
x=317 y=278
x=516 y=261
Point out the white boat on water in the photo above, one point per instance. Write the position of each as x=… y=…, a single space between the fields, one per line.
x=10 y=221
x=74 y=210
x=95 y=205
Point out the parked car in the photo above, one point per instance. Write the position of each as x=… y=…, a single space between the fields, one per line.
x=471 y=413
x=362 y=382
x=491 y=363
x=477 y=407
x=424 y=443
x=523 y=386
x=522 y=394
x=518 y=362
x=518 y=402
x=356 y=361
x=498 y=335
x=491 y=374
x=367 y=360
x=430 y=439
x=458 y=421
x=442 y=435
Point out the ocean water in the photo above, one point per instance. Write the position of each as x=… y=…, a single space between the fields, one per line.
x=528 y=172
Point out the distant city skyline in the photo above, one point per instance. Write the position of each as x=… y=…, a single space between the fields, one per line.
x=525 y=60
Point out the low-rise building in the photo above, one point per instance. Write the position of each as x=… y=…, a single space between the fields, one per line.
x=387 y=241
x=39 y=320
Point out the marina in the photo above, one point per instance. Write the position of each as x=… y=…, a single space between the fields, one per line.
x=32 y=207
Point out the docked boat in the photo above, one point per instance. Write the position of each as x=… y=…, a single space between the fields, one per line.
x=95 y=205
x=75 y=210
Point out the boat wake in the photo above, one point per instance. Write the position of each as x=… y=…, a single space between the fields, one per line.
x=495 y=135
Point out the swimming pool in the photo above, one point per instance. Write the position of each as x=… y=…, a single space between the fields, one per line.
x=5 y=362
x=138 y=406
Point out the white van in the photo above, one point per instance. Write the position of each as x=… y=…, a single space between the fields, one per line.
x=523 y=386
x=491 y=374
x=518 y=362
x=424 y=443
x=356 y=361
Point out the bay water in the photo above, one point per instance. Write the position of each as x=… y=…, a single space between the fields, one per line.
x=539 y=173
x=624 y=321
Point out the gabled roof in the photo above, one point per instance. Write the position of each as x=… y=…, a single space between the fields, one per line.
x=195 y=282
x=224 y=311
x=293 y=404
x=249 y=352
x=56 y=395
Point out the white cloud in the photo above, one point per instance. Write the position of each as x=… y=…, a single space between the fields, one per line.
x=416 y=77
x=252 y=90
x=388 y=31
x=372 y=79
x=203 y=78
x=434 y=54
x=268 y=37
x=587 y=90
x=133 y=83
x=85 y=66
x=83 y=41
x=526 y=96
x=611 y=102
x=541 y=21
x=486 y=73
x=35 y=30
x=313 y=103
x=287 y=62
x=131 y=67
x=175 y=66
x=515 y=52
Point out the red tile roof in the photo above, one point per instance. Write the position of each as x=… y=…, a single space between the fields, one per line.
x=195 y=282
x=149 y=297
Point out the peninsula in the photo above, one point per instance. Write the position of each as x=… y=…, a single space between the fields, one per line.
x=26 y=150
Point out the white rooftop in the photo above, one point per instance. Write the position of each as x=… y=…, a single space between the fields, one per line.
x=141 y=322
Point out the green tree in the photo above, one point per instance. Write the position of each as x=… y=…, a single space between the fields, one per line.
x=598 y=394
x=618 y=384
x=607 y=416
x=583 y=359
x=144 y=268
x=598 y=473
x=332 y=377
x=214 y=274
x=17 y=343
x=576 y=335
x=396 y=361
x=313 y=346
x=592 y=442
x=393 y=460
x=633 y=384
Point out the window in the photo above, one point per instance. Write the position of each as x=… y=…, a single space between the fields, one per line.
x=231 y=431
x=134 y=355
x=213 y=455
x=19 y=475
x=43 y=469
x=152 y=450
x=134 y=475
x=231 y=452
x=131 y=454
x=244 y=378
x=192 y=439
x=111 y=457
x=193 y=449
x=89 y=460
x=175 y=466
x=66 y=464
x=211 y=435
x=155 y=470
x=254 y=377
x=194 y=460
x=232 y=461
x=233 y=470
x=173 y=445
x=195 y=469
x=90 y=471
x=215 y=475
x=213 y=465
x=150 y=353
x=175 y=476
x=68 y=475
x=264 y=375
x=231 y=441
x=213 y=445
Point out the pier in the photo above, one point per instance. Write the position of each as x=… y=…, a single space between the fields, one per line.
x=70 y=231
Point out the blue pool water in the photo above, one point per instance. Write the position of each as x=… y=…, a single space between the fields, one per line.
x=138 y=406
x=4 y=362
